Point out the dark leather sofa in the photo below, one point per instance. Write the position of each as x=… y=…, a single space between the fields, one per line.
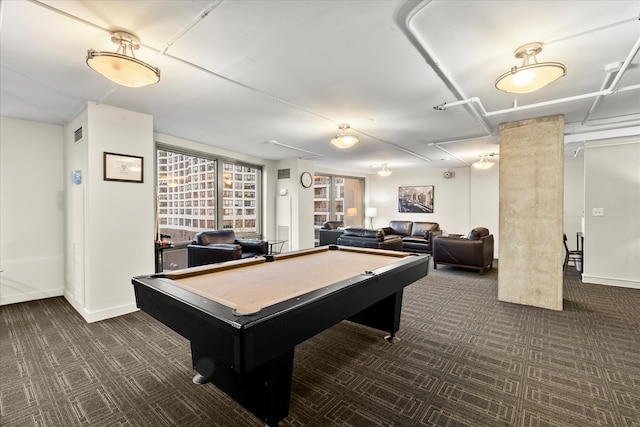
x=416 y=236
x=366 y=238
x=210 y=247
x=329 y=233
x=475 y=250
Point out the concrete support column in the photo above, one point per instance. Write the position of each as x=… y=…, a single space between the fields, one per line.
x=532 y=212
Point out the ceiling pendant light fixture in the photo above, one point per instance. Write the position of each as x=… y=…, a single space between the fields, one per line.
x=483 y=163
x=343 y=140
x=384 y=171
x=531 y=75
x=121 y=66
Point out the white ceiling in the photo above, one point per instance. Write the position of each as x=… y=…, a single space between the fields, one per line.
x=236 y=74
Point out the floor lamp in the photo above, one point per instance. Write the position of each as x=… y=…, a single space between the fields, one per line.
x=371 y=213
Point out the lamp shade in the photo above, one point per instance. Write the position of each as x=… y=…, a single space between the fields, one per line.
x=120 y=67
x=530 y=76
x=343 y=140
x=371 y=212
x=385 y=170
x=483 y=164
x=123 y=70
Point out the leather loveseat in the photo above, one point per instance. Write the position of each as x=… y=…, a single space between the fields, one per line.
x=329 y=233
x=475 y=250
x=366 y=238
x=210 y=247
x=416 y=236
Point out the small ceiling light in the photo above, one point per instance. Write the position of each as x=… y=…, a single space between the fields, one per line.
x=121 y=66
x=483 y=163
x=384 y=171
x=532 y=75
x=343 y=140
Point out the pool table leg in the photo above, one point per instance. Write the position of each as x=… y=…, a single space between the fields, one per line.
x=265 y=391
x=383 y=315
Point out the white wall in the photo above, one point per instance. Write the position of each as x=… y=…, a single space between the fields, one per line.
x=485 y=201
x=295 y=209
x=468 y=200
x=573 y=198
x=612 y=241
x=31 y=211
x=110 y=229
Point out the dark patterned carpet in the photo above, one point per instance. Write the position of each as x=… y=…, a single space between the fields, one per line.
x=464 y=359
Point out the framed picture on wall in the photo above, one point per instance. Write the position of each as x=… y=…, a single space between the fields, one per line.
x=415 y=199
x=122 y=167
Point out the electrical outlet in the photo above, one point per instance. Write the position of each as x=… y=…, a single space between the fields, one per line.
x=597 y=212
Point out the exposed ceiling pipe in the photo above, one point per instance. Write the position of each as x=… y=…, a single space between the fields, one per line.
x=608 y=91
x=437 y=145
x=602 y=134
x=311 y=153
x=611 y=69
x=620 y=68
x=554 y=101
x=578 y=150
x=625 y=65
x=603 y=124
x=203 y=14
x=404 y=18
x=391 y=144
x=485 y=113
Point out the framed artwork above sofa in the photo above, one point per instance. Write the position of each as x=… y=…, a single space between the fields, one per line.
x=416 y=199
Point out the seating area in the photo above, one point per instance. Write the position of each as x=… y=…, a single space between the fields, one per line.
x=210 y=247
x=474 y=250
x=413 y=236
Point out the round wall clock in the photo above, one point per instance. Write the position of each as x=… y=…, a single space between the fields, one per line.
x=306 y=179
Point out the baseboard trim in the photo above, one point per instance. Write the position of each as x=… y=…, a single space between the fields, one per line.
x=31 y=296
x=96 y=316
x=610 y=281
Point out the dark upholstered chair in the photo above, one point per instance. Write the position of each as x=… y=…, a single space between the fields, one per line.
x=329 y=233
x=474 y=250
x=210 y=247
x=421 y=237
x=416 y=236
x=398 y=228
x=366 y=238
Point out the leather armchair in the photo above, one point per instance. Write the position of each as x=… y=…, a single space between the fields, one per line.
x=399 y=228
x=474 y=250
x=421 y=237
x=330 y=231
x=365 y=238
x=210 y=247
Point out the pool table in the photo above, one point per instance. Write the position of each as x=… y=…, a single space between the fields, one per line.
x=244 y=318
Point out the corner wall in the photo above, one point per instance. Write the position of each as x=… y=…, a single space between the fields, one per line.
x=294 y=210
x=612 y=186
x=468 y=200
x=111 y=224
x=31 y=211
